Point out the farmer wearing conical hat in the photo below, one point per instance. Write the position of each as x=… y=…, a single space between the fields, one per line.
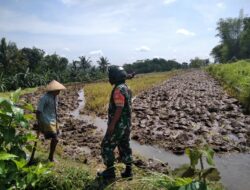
x=119 y=124
x=47 y=115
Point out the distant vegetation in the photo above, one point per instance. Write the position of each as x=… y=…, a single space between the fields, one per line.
x=160 y=65
x=236 y=76
x=30 y=67
x=153 y=65
x=234 y=34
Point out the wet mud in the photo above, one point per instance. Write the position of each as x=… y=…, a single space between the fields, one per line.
x=187 y=110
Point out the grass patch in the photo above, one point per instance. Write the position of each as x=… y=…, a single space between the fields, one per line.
x=97 y=94
x=70 y=174
x=66 y=175
x=23 y=91
x=156 y=181
x=236 y=77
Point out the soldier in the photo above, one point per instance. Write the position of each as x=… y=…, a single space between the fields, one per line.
x=119 y=124
x=47 y=116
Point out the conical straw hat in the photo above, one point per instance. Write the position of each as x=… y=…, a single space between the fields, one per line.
x=54 y=85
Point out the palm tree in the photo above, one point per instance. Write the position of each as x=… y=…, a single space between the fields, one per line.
x=103 y=64
x=84 y=62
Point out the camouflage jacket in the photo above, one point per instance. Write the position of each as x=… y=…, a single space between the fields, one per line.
x=126 y=111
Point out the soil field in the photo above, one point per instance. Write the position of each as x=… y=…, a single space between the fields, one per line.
x=189 y=109
x=184 y=111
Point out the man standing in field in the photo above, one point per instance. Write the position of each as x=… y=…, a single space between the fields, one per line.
x=119 y=124
x=47 y=115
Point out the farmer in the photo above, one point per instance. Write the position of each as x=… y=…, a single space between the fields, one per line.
x=47 y=115
x=119 y=124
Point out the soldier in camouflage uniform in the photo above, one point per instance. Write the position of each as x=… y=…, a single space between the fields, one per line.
x=119 y=124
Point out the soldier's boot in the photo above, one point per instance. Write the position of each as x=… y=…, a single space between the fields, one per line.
x=127 y=173
x=108 y=174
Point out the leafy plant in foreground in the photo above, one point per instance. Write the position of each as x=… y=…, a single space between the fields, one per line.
x=14 y=143
x=196 y=156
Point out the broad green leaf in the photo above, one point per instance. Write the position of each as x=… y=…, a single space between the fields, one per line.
x=2 y=167
x=29 y=147
x=17 y=111
x=18 y=151
x=194 y=155
x=5 y=105
x=211 y=174
x=209 y=154
x=15 y=95
x=20 y=163
x=9 y=134
x=5 y=118
x=24 y=124
x=6 y=156
x=28 y=106
x=182 y=181
x=30 y=137
x=184 y=171
x=29 y=116
x=190 y=172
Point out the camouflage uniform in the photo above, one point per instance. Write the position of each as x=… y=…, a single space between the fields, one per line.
x=121 y=134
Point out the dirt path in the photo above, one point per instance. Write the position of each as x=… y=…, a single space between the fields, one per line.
x=188 y=109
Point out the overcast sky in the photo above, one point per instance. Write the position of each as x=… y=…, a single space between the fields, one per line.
x=121 y=30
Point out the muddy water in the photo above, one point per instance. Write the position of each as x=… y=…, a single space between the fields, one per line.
x=234 y=167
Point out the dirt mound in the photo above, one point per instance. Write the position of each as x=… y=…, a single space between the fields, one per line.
x=188 y=109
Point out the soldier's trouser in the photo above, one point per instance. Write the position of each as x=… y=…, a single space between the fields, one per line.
x=120 y=138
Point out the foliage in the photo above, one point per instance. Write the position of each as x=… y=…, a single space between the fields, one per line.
x=66 y=175
x=97 y=94
x=196 y=156
x=14 y=143
x=197 y=62
x=85 y=63
x=236 y=76
x=234 y=34
x=154 y=65
x=188 y=177
x=202 y=175
x=103 y=63
x=30 y=67
x=7 y=95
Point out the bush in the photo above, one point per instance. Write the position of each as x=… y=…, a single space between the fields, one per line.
x=14 y=143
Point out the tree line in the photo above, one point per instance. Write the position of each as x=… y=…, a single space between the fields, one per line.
x=234 y=34
x=160 y=65
x=30 y=67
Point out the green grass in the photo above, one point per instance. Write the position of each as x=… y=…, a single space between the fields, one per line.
x=68 y=174
x=97 y=94
x=24 y=91
x=236 y=77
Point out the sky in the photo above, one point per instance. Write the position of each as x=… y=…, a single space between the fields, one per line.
x=121 y=30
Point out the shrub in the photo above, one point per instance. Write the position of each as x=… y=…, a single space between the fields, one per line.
x=14 y=143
